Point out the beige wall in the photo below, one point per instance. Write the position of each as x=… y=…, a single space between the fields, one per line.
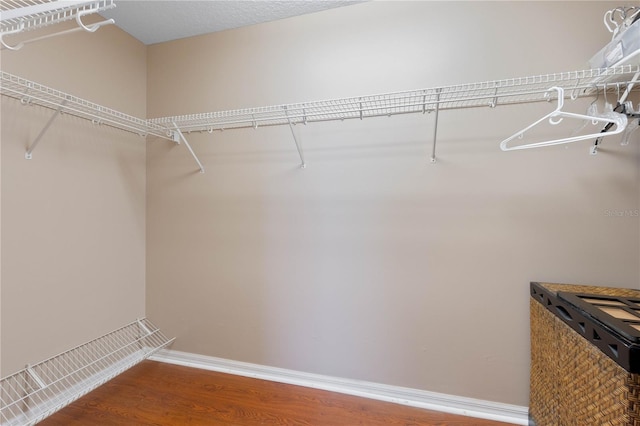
x=372 y=263
x=73 y=217
x=369 y=264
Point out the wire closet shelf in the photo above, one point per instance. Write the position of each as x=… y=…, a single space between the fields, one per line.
x=484 y=94
x=23 y=15
x=40 y=390
x=574 y=84
x=31 y=93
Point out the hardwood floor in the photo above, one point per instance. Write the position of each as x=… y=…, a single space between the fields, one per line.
x=155 y=393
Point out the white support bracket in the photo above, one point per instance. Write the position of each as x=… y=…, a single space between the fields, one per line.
x=28 y=154
x=177 y=137
x=41 y=384
x=435 y=126
x=143 y=327
x=295 y=139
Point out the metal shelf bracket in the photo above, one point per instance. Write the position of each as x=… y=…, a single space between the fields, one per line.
x=28 y=155
x=35 y=377
x=435 y=126
x=177 y=137
x=295 y=139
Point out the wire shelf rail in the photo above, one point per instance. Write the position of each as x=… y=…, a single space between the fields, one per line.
x=491 y=93
x=31 y=93
x=24 y=15
x=574 y=84
x=482 y=94
x=40 y=390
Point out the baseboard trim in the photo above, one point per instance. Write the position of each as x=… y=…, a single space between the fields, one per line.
x=412 y=397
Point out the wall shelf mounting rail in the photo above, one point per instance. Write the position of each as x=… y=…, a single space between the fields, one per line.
x=39 y=390
x=17 y=16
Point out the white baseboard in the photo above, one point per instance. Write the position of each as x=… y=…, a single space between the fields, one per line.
x=413 y=397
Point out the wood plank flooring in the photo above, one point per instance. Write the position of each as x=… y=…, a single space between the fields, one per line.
x=160 y=394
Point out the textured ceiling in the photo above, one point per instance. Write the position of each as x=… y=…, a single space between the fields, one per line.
x=153 y=21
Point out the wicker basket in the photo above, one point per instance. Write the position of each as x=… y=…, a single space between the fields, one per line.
x=582 y=373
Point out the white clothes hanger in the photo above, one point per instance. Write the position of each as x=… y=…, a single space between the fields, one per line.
x=592 y=110
x=626 y=136
x=631 y=127
x=626 y=17
x=557 y=115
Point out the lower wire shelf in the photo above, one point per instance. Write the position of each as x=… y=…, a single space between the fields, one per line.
x=36 y=392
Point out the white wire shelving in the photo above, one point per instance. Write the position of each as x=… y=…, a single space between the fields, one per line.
x=24 y=15
x=18 y=16
x=31 y=93
x=40 y=390
x=575 y=84
x=483 y=94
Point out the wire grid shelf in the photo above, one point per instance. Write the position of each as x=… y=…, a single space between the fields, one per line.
x=38 y=391
x=24 y=15
x=31 y=93
x=491 y=93
x=484 y=94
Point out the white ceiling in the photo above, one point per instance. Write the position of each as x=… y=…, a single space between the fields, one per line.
x=157 y=21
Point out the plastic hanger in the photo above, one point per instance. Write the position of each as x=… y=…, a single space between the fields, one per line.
x=627 y=110
x=627 y=17
x=631 y=127
x=592 y=110
x=556 y=116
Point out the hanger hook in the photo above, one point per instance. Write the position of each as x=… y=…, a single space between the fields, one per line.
x=595 y=86
x=608 y=21
x=560 y=91
x=574 y=94
x=16 y=31
x=93 y=27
